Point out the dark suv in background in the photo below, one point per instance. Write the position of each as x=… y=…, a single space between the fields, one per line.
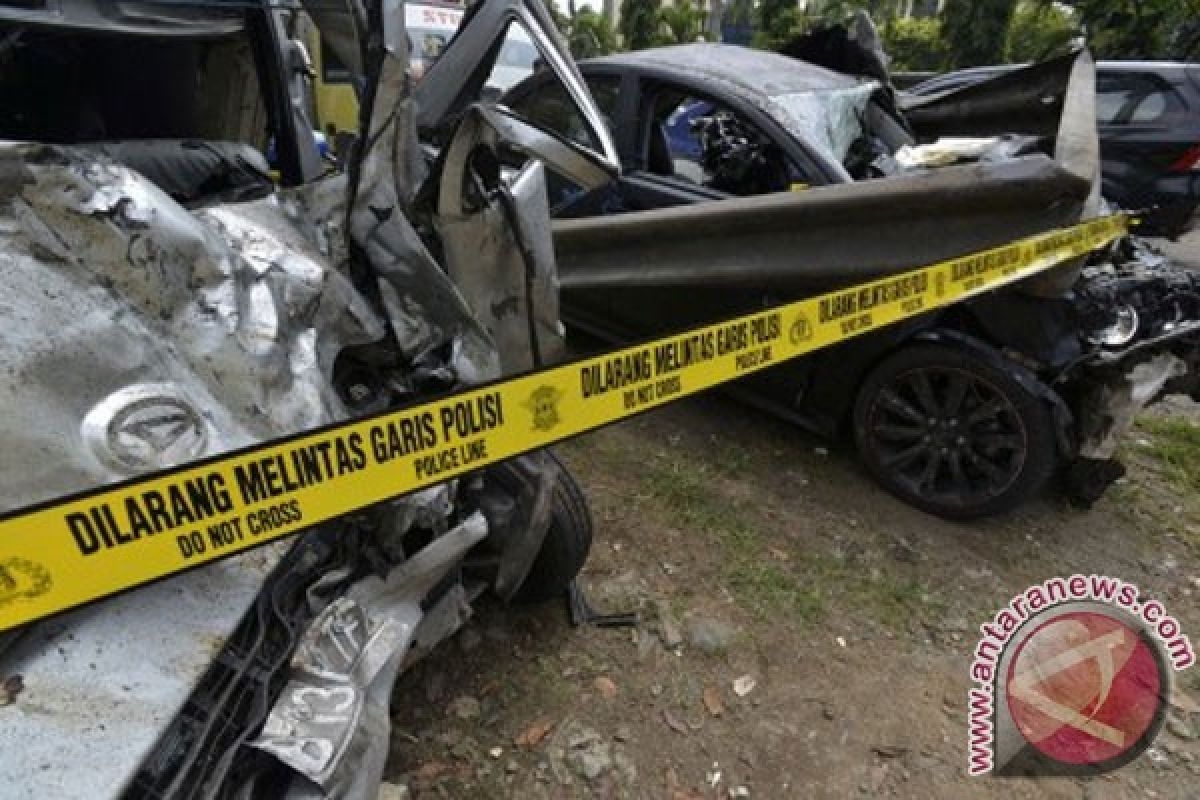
x=1148 y=115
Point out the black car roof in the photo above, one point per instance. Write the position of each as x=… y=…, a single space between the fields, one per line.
x=755 y=72
x=961 y=77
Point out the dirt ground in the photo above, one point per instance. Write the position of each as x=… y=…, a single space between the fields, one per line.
x=750 y=548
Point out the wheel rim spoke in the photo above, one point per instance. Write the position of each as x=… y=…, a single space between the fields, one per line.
x=895 y=432
x=903 y=457
x=924 y=392
x=992 y=471
x=930 y=472
x=956 y=392
x=957 y=475
x=997 y=441
x=991 y=408
x=895 y=403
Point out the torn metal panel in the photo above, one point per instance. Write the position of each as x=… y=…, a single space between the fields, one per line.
x=803 y=241
x=170 y=336
x=103 y=682
x=1054 y=101
x=226 y=301
x=425 y=310
x=148 y=330
x=1110 y=407
x=331 y=722
x=853 y=50
x=1029 y=101
x=498 y=250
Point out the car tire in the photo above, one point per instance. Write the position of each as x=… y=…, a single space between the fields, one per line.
x=567 y=544
x=952 y=433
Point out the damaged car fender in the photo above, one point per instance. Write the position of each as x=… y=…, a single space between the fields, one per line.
x=1063 y=418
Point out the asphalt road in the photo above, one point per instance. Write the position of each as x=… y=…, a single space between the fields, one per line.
x=1186 y=251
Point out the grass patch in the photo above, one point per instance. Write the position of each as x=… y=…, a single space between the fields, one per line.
x=892 y=600
x=1175 y=443
x=765 y=585
x=732 y=459
x=689 y=493
x=769 y=589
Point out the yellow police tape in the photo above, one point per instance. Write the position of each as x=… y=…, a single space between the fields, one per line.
x=70 y=551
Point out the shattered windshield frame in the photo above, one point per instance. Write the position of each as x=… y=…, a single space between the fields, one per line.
x=831 y=119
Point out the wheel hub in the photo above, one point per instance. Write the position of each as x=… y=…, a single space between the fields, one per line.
x=947 y=434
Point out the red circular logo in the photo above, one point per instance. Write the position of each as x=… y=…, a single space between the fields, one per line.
x=1085 y=688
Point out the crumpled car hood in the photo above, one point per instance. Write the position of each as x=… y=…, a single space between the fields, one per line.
x=140 y=335
x=235 y=293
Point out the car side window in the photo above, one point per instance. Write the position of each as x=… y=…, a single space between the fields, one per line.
x=705 y=142
x=550 y=107
x=1134 y=99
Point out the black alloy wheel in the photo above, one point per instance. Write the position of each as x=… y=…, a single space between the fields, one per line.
x=953 y=434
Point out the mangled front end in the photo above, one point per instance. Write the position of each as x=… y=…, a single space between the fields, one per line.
x=144 y=334
x=1111 y=335
x=1139 y=324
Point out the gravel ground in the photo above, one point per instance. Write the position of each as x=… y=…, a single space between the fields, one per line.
x=802 y=635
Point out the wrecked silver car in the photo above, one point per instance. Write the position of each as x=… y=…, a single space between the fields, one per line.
x=750 y=178
x=169 y=295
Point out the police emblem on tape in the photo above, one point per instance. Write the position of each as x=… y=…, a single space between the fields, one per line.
x=22 y=579
x=801 y=330
x=543 y=404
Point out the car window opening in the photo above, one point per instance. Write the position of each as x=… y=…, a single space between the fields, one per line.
x=71 y=89
x=187 y=114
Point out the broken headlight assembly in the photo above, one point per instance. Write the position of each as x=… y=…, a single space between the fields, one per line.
x=1137 y=296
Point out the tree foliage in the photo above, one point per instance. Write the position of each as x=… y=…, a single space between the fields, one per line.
x=971 y=33
x=680 y=23
x=561 y=20
x=1039 y=30
x=1140 y=28
x=639 y=23
x=834 y=11
x=914 y=44
x=779 y=21
x=591 y=34
x=974 y=31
